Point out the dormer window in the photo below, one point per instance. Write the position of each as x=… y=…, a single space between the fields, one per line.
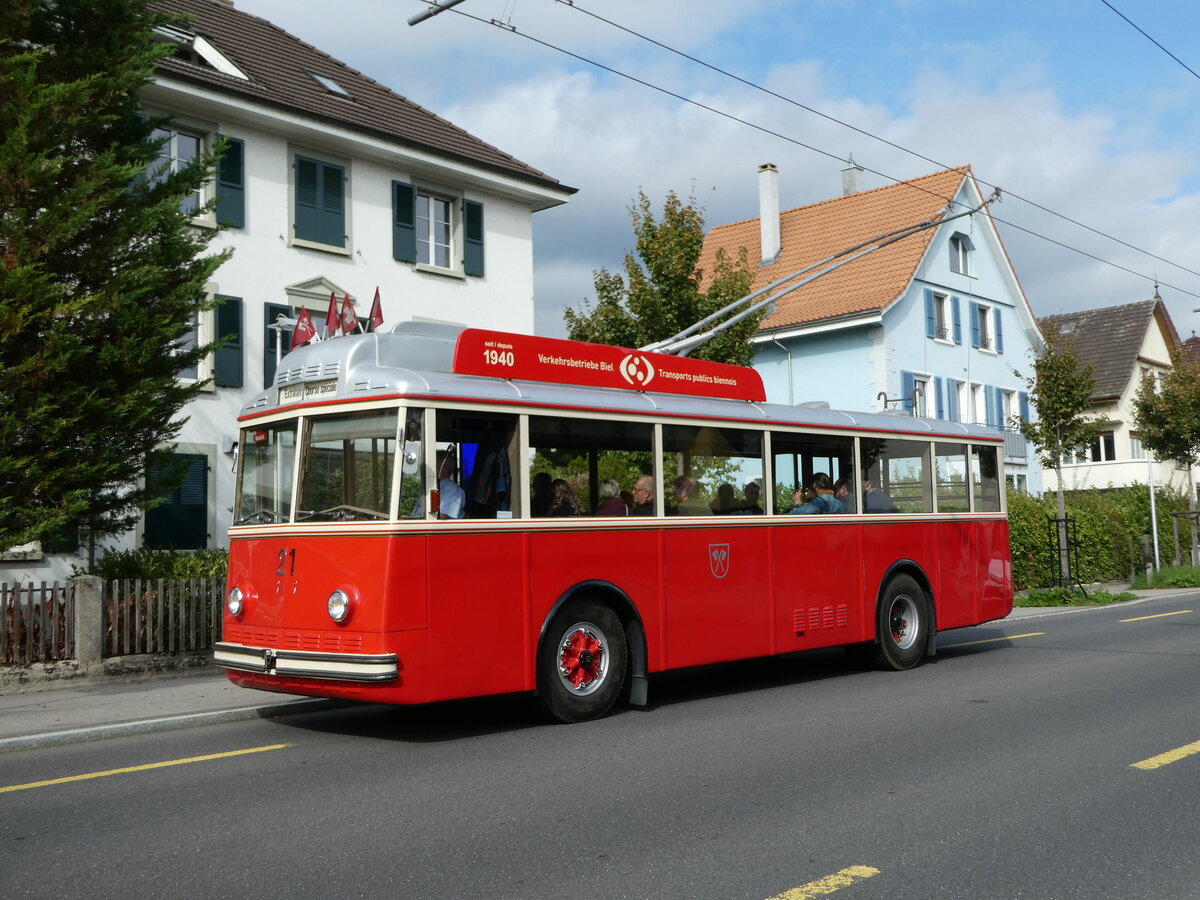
x=330 y=85
x=960 y=253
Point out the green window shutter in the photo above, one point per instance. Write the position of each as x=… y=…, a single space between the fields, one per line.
x=231 y=184
x=320 y=202
x=473 y=238
x=180 y=522
x=404 y=222
x=271 y=340
x=228 y=368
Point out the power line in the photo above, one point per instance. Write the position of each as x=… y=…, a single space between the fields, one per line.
x=508 y=26
x=1140 y=31
x=871 y=135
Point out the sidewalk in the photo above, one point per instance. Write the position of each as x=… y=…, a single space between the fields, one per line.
x=88 y=709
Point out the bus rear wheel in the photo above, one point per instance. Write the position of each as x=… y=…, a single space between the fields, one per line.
x=902 y=624
x=582 y=663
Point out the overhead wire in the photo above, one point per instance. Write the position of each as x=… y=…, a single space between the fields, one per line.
x=1143 y=33
x=508 y=26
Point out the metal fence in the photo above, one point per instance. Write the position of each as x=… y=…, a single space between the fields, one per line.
x=43 y=623
x=158 y=616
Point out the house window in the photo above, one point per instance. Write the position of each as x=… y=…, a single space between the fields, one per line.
x=960 y=254
x=319 y=209
x=1104 y=448
x=178 y=150
x=921 y=395
x=978 y=404
x=180 y=521
x=941 y=308
x=983 y=319
x=1136 y=450
x=435 y=230
x=1018 y=483
x=200 y=331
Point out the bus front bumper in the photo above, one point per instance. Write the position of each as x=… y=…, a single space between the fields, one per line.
x=301 y=664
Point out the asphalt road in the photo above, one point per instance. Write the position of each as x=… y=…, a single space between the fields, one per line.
x=1006 y=769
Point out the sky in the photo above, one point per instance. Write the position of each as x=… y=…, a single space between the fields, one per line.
x=1089 y=128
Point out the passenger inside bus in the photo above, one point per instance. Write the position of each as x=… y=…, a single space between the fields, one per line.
x=749 y=504
x=611 y=503
x=843 y=490
x=542 y=487
x=724 y=503
x=823 y=500
x=686 y=498
x=643 y=496
x=452 y=501
x=566 y=502
x=877 y=501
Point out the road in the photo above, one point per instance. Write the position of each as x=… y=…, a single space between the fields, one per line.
x=1005 y=769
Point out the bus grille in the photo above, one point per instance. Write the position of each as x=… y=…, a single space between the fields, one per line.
x=820 y=618
x=281 y=639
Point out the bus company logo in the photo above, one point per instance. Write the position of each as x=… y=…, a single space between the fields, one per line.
x=718 y=560
x=637 y=370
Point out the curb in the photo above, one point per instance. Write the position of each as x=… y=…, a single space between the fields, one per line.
x=166 y=723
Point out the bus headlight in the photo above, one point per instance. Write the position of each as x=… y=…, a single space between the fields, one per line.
x=234 y=602
x=339 y=605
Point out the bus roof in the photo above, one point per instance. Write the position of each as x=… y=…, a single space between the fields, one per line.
x=439 y=361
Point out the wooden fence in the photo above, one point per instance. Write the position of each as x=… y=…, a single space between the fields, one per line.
x=36 y=623
x=88 y=620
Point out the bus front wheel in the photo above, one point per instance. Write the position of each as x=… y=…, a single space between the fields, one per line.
x=902 y=624
x=582 y=663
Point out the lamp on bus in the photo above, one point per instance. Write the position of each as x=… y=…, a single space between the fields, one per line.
x=339 y=605
x=234 y=602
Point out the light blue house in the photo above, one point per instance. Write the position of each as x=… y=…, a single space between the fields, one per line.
x=934 y=324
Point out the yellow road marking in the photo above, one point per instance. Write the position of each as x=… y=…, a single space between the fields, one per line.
x=1170 y=756
x=1011 y=637
x=828 y=884
x=1159 y=616
x=148 y=766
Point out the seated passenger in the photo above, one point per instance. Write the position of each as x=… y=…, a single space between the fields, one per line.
x=611 y=503
x=823 y=500
x=876 y=501
x=686 y=498
x=565 y=501
x=542 y=488
x=723 y=503
x=643 y=496
x=749 y=504
x=845 y=493
x=452 y=500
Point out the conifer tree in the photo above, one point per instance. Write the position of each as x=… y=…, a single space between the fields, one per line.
x=101 y=275
x=660 y=294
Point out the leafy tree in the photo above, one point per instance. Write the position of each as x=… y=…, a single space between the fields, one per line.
x=101 y=274
x=1061 y=391
x=1167 y=418
x=660 y=294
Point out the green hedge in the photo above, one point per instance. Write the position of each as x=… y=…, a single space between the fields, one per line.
x=165 y=564
x=1109 y=526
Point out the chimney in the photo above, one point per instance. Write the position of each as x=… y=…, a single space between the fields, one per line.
x=851 y=178
x=768 y=212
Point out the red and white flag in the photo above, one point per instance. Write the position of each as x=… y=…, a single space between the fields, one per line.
x=376 y=317
x=349 y=316
x=304 y=330
x=331 y=317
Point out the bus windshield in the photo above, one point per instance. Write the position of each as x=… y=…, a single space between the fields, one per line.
x=265 y=483
x=346 y=468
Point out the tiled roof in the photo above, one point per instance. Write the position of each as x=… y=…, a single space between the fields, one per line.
x=278 y=65
x=1110 y=340
x=812 y=233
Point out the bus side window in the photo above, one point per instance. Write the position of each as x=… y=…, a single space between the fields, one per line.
x=798 y=458
x=569 y=458
x=485 y=447
x=897 y=476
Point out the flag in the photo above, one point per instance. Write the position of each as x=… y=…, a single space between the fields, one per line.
x=349 y=316
x=376 y=317
x=304 y=330
x=331 y=317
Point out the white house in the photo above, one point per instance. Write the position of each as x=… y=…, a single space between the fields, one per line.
x=1123 y=345
x=331 y=184
x=932 y=325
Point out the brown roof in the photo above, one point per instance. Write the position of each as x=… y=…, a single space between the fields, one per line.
x=812 y=233
x=1110 y=340
x=278 y=65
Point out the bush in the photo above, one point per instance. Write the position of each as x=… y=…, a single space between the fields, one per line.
x=1109 y=529
x=1170 y=577
x=165 y=564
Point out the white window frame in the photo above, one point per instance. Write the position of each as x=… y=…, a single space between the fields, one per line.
x=960 y=254
x=429 y=193
x=978 y=404
x=921 y=388
x=204 y=332
x=943 y=318
x=203 y=133
x=987 y=327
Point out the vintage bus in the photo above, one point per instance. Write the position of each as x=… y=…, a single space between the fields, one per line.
x=414 y=522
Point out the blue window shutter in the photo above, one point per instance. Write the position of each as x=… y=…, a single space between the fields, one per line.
x=973 y=314
x=956 y=310
x=404 y=222
x=271 y=339
x=231 y=184
x=473 y=238
x=937 y=392
x=1023 y=397
x=952 y=399
x=999 y=329
x=227 y=364
x=320 y=202
x=930 y=315
x=907 y=383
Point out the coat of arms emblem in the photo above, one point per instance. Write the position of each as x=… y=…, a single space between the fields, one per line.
x=718 y=560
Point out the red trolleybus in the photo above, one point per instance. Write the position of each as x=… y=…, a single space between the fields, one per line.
x=416 y=521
